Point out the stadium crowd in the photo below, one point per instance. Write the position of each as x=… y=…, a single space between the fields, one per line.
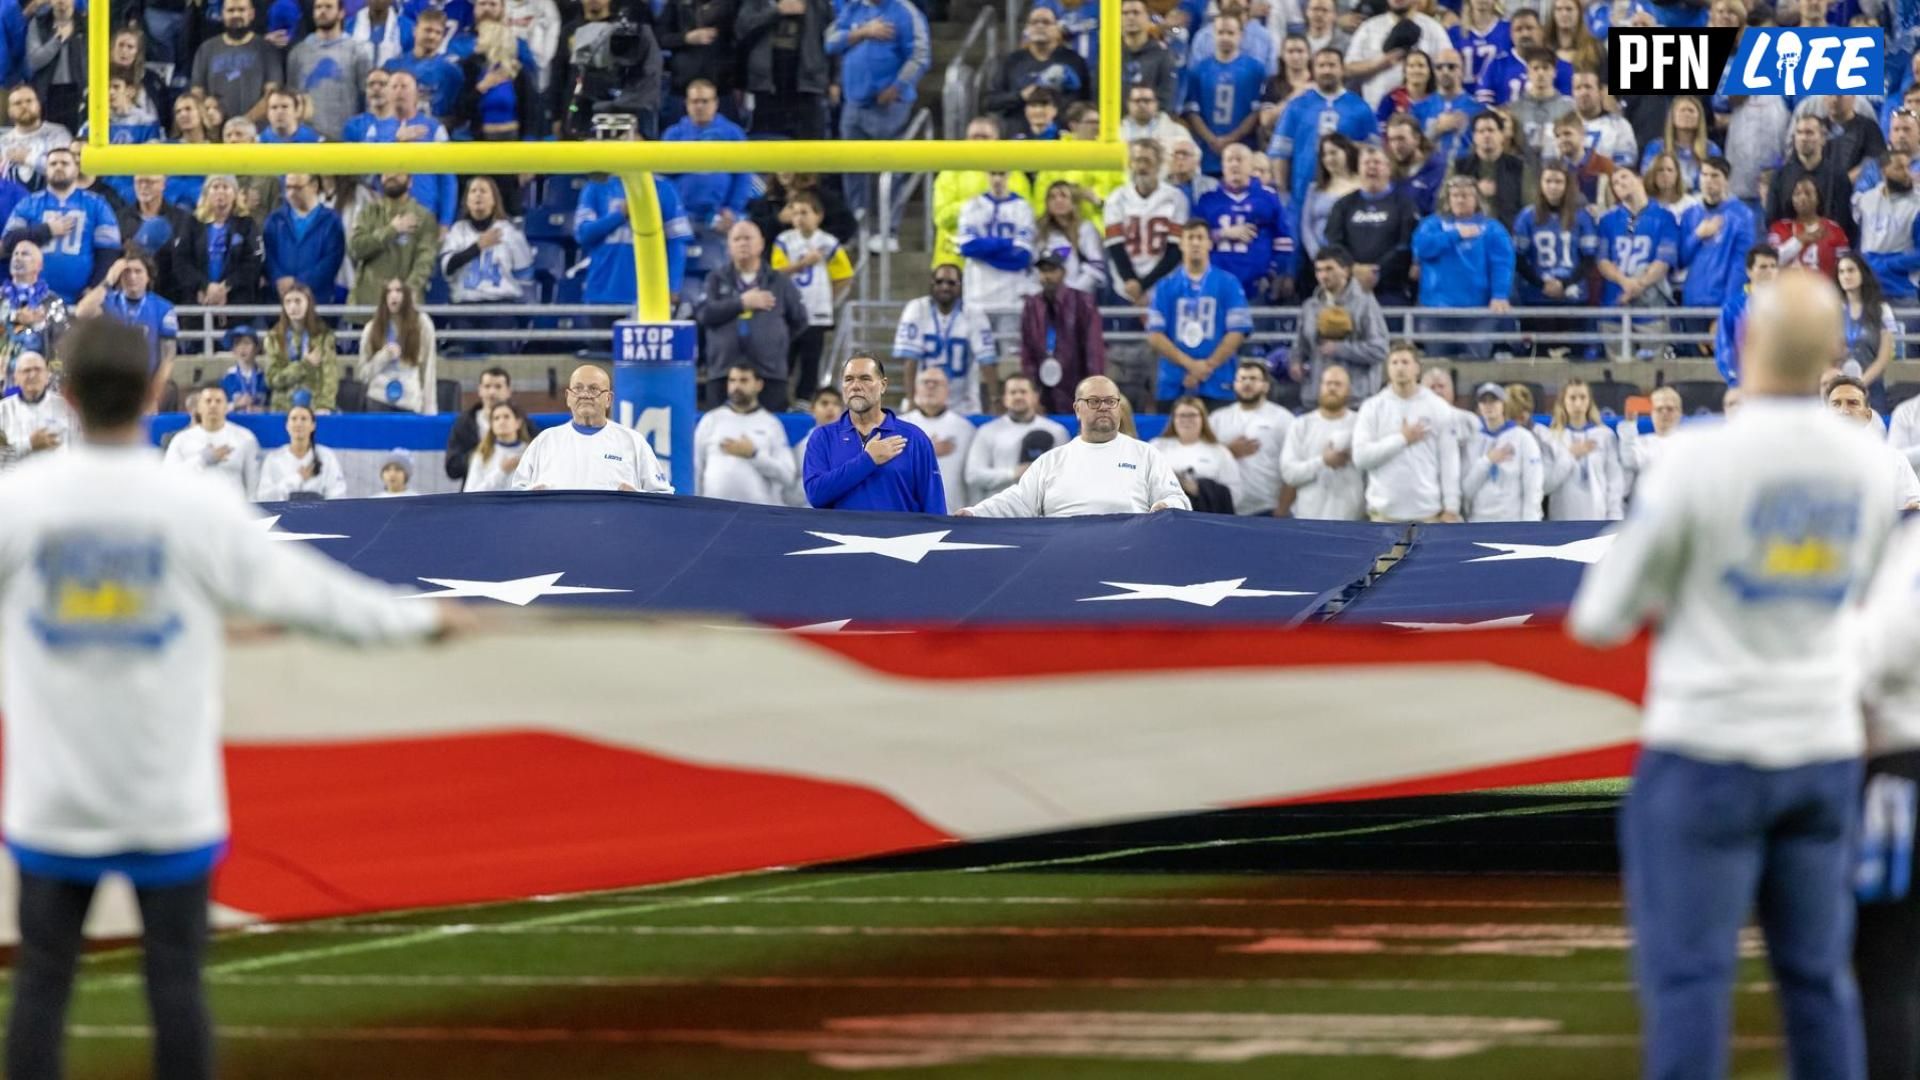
x=1325 y=158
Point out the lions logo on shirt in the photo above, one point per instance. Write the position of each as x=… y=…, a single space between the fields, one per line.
x=1802 y=544
x=101 y=590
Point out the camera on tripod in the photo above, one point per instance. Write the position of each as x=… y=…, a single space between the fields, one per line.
x=617 y=67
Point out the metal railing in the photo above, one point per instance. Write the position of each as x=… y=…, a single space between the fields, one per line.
x=960 y=84
x=1630 y=333
x=205 y=327
x=920 y=128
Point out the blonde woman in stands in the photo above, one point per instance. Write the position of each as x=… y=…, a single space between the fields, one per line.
x=1584 y=478
x=506 y=438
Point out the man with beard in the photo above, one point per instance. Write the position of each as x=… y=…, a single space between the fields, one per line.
x=870 y=459
x=238 y=68
x=590 y=454
x=1060 y=336
x=394 y=237
x=1417 y=171
x=1340 y=323
x=1375 y=226
x=1317 y=459
x=740 y=450
x=1447 y=113
x=996 y=460
x=32 y=421
x=1381 y=43
x=24 y=146
x=1889 y=217
x=952 y=433
x=940 y=330
x=1253 y=429
x=328 y=67
x=75 y=229
x=1101 y=472
x=1295 y=149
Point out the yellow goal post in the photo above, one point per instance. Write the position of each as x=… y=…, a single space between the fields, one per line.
x=633 y=162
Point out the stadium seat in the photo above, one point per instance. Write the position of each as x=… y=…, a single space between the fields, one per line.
x=447 y=395
x=549 y=260
x=351 y=397
x=1611 y=396
x=1699 y=395
x=1901 y=393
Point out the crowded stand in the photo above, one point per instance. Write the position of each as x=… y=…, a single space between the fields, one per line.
x=1321 y=202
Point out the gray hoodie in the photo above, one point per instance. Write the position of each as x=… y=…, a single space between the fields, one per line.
x=331 y=73
x=1361 y=354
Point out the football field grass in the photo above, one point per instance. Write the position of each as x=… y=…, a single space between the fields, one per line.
x=1445 y=938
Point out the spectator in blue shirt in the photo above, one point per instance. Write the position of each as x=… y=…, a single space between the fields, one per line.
x=712 y=201
x=127 y=295
x=1196 y=323
x=283 y=120
x=1763 y=262
x=1639 y=246
x=1555 y=242
x=438 y=77
x=1327 y=108
x=605 y=236
x=1447 y=114
x=361 y=127
x=1715 y=235
x=1222 y=92
x=883 y=48
x=411 y=123
x=305 y=241
x=75 y=229
x=869 y=459
x=1250 y=236
x=1466 y=261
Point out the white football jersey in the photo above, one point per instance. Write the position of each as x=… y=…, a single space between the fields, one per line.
x=1148 y=223
x=958 y=343
x=987 y=218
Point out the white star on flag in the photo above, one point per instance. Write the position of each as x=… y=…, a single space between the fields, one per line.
x=909 y=549
x=1205 y=594
x=1581 y=551
x=1484 y=624
x=520 y=591
x=267 y=526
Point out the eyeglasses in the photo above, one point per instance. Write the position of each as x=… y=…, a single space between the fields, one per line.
x=1099 y=404
x=1446 y=67
x=1906 y=112
x=588 y=392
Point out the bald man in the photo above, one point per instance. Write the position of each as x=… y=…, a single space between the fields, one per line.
x=1104 y=471
x=1744 y=552
x=590 y=454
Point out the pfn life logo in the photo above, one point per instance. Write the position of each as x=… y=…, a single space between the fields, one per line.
x=1769 y=61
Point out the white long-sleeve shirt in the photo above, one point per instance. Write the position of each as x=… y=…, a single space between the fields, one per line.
x=987 y=218
x=19 y=419
x=1206 y=461
x=763 y=478
x=1323 y=493
x=280 y=475
x=566 y=458
x=1408 y=482
x=1889 y=647
x=1745 y=550
x=116 y=574
x=1120 y=476
x=193 y=448
x=994 y=457
x=1590 y=488
x=958 y=430
x=1510 y=490
x=1906 y=485
x=491 y=473
x=1903 y=429
x=1260 y=479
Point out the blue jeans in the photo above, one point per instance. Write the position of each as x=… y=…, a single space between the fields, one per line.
x=1705 y=843
x=1482 y=328
x=878 y=123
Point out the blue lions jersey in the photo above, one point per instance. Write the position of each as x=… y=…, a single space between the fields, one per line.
x=607 y=238
x=1223 y=95
x=1196 y=315
x=1634 y=242
x=69 y=258
x=1554 y=252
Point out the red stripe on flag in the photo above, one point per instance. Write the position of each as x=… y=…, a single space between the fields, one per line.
x=1604 y=763
x=326 y=829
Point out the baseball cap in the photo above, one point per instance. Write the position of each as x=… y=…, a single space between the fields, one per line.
x=1492 y=390
x=1035 y=444
x=1048 y=258
x=238 y=331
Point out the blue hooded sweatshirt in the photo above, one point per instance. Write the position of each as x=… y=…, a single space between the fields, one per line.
x=702 y=195
x=1457 y=272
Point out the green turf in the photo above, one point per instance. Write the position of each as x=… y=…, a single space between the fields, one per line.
x=1063 y=966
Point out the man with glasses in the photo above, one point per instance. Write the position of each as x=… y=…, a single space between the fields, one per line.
x=305 y=241
x=940 y=331
x=1101 y=472
x=590 y=454
x=870 y=459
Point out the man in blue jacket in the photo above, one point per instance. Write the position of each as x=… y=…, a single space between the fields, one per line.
x=605 y=235
x=712 y=201
x=1466 y=261
x=869 y=459
x=305 y=240
x=883 y=48
x=1715 y=236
